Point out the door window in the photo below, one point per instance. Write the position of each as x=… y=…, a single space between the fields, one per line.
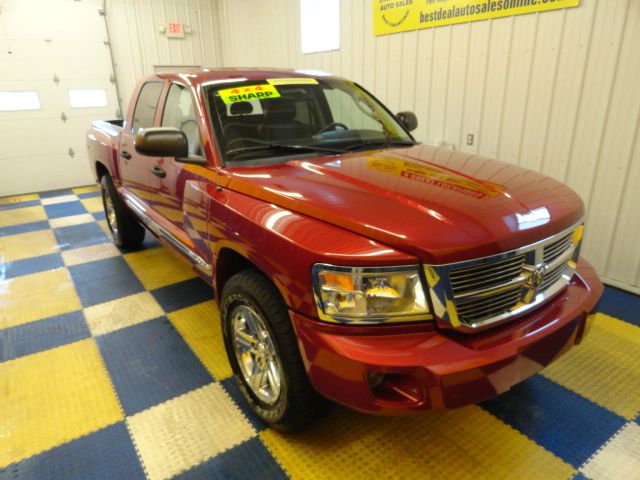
x=179 y=112
x=145 y=110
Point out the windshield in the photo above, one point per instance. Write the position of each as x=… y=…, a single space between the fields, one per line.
x=269 y=121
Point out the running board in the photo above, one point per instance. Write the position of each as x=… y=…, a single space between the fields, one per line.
x=162 y=232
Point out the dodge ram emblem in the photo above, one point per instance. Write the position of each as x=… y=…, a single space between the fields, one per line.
x=537 y=275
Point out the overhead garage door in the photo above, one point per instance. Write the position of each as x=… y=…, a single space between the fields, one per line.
x=55 y=78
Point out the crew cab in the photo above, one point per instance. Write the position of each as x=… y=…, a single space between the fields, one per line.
x=349 y=261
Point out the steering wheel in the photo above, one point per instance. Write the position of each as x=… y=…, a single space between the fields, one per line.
x=332 y=126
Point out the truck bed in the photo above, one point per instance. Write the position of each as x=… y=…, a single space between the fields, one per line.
x=113 y=127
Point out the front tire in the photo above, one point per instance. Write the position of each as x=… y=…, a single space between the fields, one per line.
x=125 y=230
x=263 y=352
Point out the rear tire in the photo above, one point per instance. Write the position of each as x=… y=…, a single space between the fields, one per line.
x=259 y=338
x=126 y=231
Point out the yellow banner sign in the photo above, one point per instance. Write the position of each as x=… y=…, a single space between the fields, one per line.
x=252 y=92
x=391 y=16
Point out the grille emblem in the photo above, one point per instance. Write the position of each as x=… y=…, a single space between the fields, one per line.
x=536 y=274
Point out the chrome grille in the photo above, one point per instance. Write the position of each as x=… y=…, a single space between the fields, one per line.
x=555 y=249
x=479 y=293
x=480 y=276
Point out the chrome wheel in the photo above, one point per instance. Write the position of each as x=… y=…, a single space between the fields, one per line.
x=256 y=354
x=110 y=211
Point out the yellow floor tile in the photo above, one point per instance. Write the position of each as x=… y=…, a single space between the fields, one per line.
x=158 y=267
x=467 y=443
x=91 y=253
x=60 y=199
x=27 y=245
x=36 y=296
x=122 y=312
x=52 y=397
x=18 y=216
x=71 y=220
x=87 y=189
x=619 y=459
x=105 y=227
x=93 y=204
x=199 y=326
x=185 y=431
x=19 y=198
x=604 y=367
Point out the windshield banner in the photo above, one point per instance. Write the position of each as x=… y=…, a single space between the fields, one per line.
x=392 y=16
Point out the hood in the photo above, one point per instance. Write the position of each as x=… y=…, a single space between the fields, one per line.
x=440 y=205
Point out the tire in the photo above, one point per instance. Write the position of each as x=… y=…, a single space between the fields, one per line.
x=125 y=230
x=295 y=403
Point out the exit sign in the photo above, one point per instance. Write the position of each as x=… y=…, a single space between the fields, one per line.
x=175 y=30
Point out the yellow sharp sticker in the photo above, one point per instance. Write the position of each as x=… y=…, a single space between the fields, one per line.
x=246 y=93
x=292 y=81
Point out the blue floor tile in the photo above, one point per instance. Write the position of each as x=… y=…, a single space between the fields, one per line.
x=231 y=387
x=13 y=206
x=99 y=215
x=77 y=236
x=580 y=476
x=103 y=455
x=88 y=194
x=104 y=280
x=42 y=335
x=250 y=459
x=183 y=294
x=560 y=420
x=24 y=228
x=150 y=363
x=30 y=265
x=621 y=305
x=67 y=209
x=56 y=193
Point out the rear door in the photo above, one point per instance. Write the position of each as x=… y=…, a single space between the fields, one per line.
x=135 y=169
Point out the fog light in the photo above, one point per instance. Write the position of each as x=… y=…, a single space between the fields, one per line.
x=375 y=379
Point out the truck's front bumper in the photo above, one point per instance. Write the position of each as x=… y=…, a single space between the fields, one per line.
x=399 y=372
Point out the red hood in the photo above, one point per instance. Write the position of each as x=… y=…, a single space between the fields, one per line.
x=440 y=205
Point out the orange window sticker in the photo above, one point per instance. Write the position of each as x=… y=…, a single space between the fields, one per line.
x=292 y=81
x=245 y=94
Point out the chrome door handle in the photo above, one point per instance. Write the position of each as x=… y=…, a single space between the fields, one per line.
x=158 y=172
x=126 y=155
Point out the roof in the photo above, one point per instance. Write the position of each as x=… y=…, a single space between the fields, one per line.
x=205 y=75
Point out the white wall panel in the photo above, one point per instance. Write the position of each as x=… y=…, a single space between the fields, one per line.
x=138 y=45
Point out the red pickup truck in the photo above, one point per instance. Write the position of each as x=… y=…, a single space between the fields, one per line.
x=349 y=261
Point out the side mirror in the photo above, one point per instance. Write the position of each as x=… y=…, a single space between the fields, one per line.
x=162 y=142
x=408 y=119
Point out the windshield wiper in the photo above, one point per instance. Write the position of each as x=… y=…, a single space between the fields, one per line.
x=282 y=146
x=382 y=144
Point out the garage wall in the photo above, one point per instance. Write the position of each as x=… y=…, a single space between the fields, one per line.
x=139 y=48
x=555 y=92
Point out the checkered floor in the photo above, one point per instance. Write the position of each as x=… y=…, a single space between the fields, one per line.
x=112 y=366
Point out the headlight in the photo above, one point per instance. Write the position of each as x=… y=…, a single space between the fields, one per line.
x=370 y=295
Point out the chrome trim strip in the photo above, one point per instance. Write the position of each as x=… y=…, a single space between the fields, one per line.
x=154 y=226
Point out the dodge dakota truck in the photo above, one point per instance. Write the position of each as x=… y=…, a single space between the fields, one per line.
x=349 y=261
